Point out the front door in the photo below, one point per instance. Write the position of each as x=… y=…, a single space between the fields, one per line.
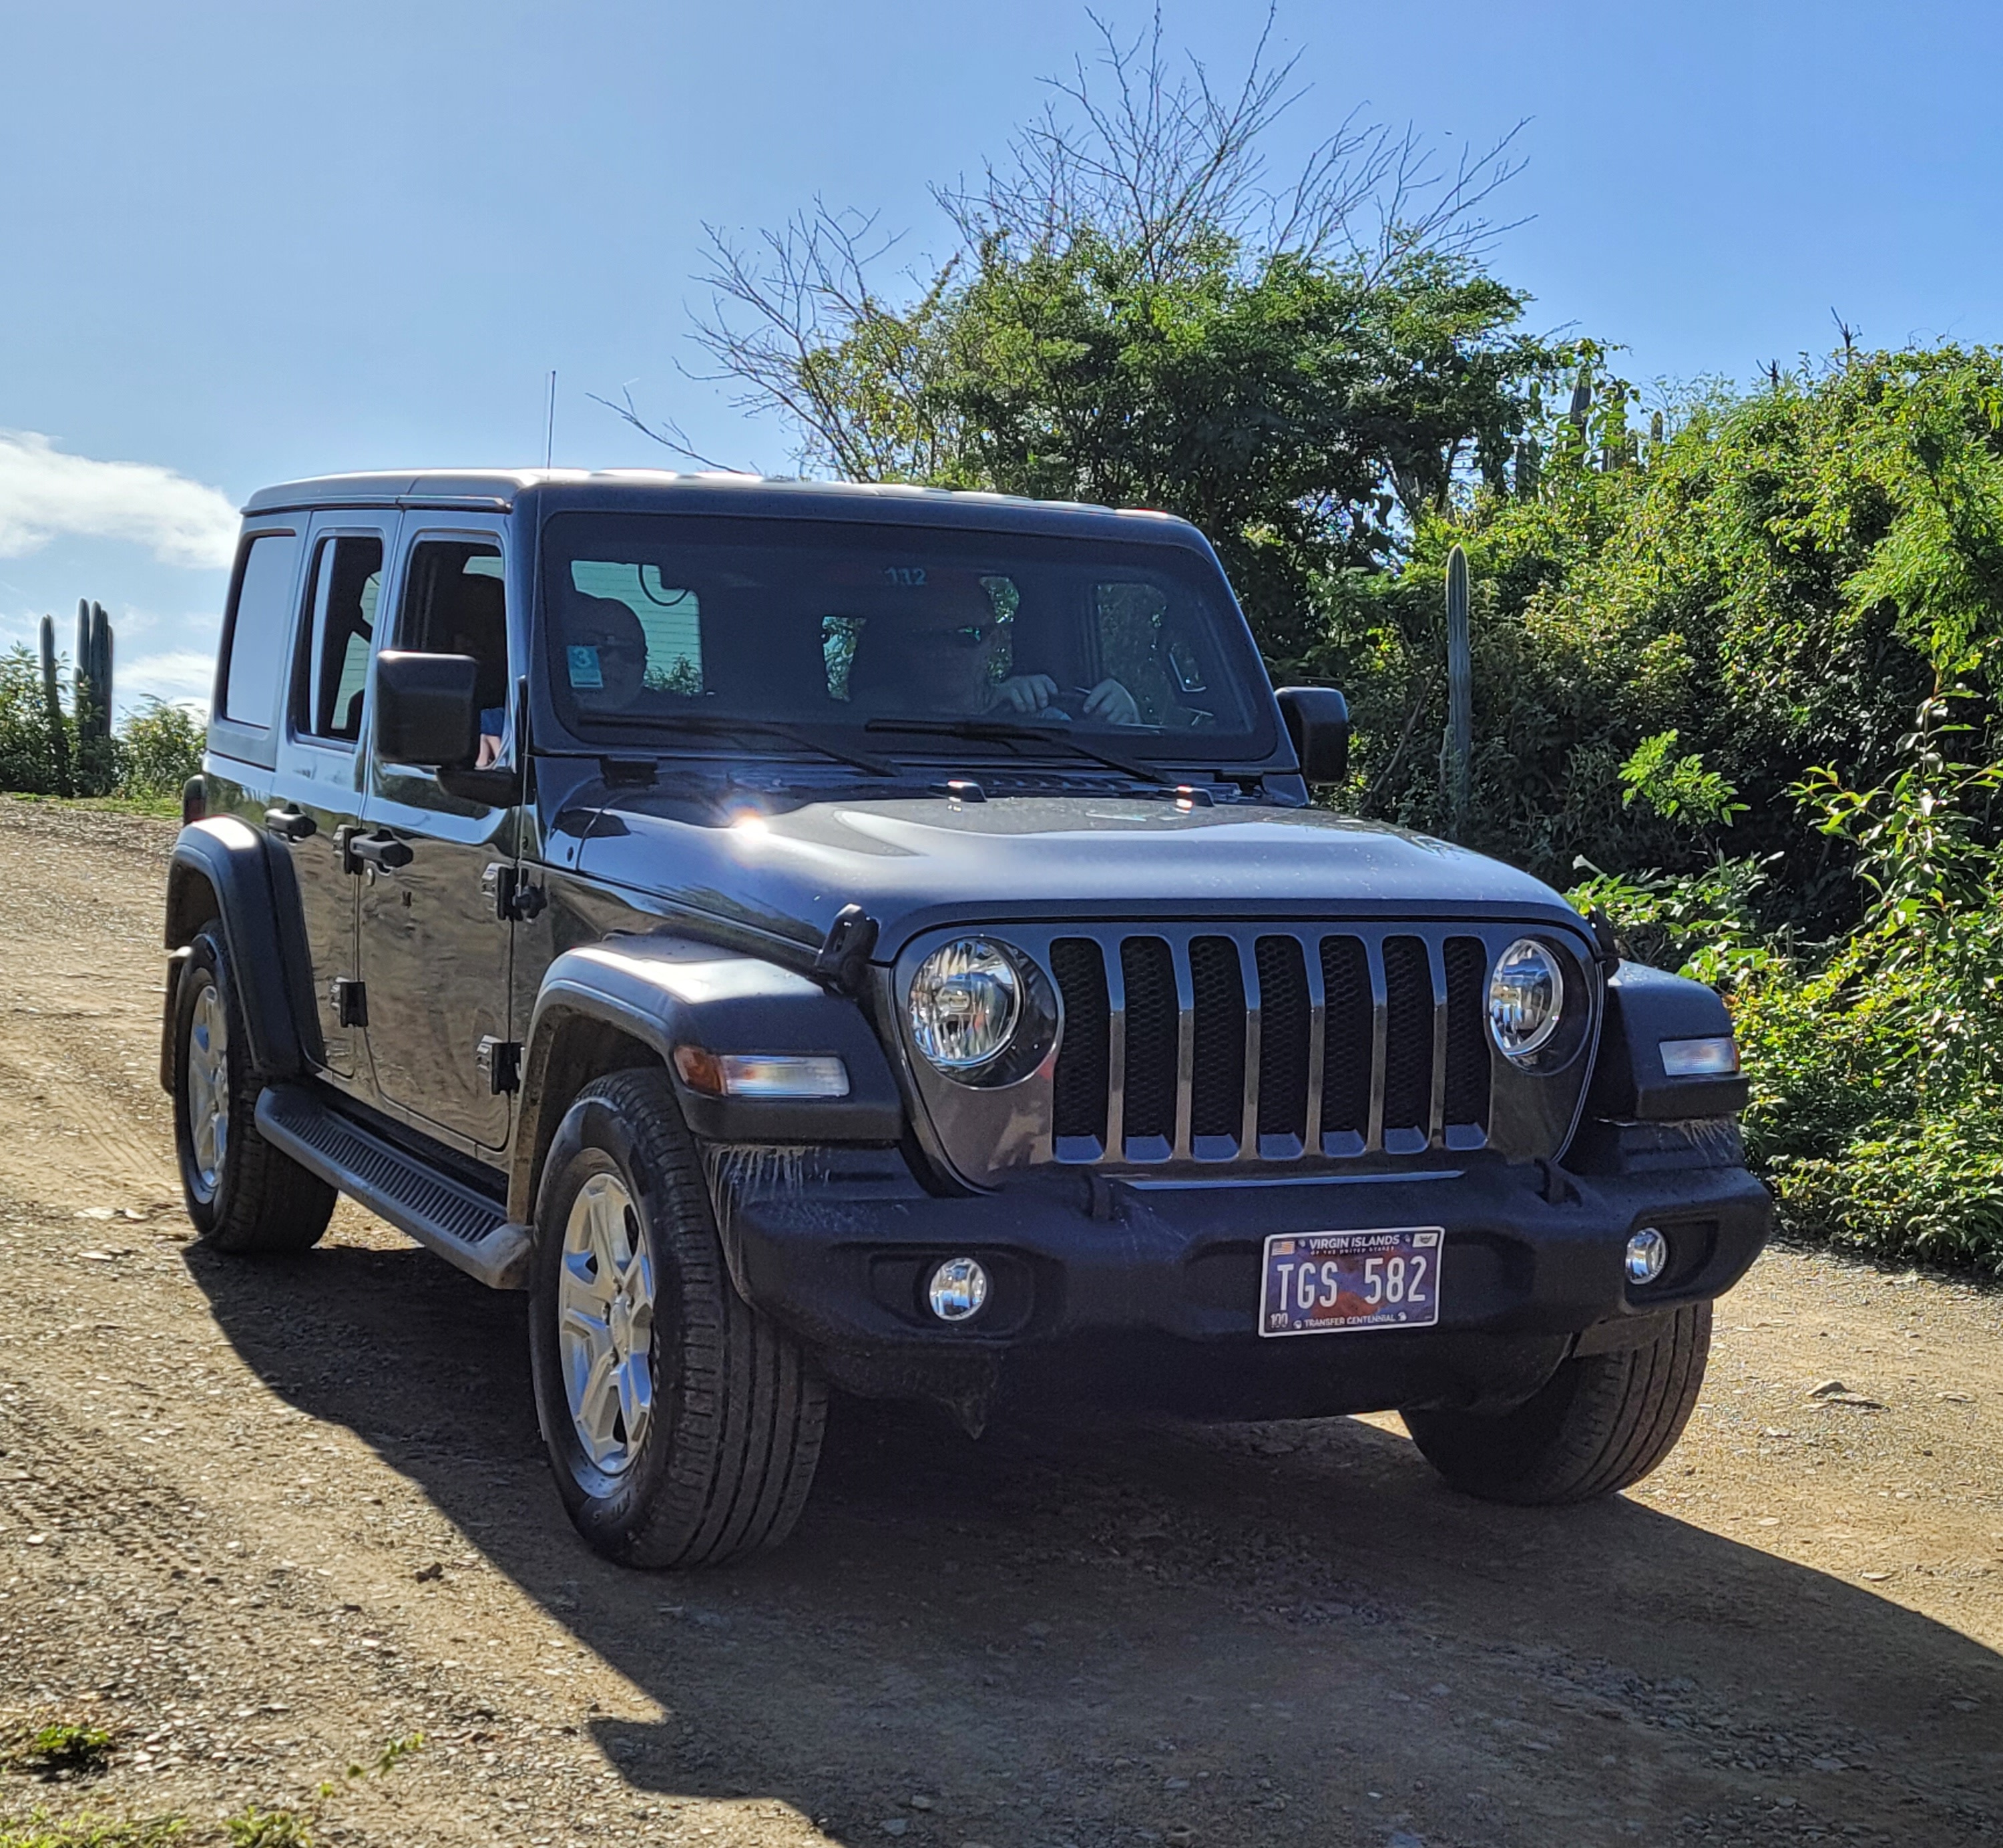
x=316 y=786
x=434 y=949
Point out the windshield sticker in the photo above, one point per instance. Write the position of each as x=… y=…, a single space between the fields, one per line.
x=584 y=668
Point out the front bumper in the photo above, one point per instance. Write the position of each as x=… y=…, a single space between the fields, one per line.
x=1122 y=1289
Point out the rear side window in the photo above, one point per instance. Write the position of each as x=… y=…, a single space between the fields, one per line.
x=257 y=631
x=333 y=671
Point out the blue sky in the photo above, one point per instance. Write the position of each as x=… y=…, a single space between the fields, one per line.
x=242 y=243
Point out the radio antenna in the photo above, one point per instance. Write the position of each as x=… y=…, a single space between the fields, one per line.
x=550 y=422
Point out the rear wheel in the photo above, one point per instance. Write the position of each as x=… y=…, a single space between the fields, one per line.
x=242 y=1194
x=683 y=1427
x=1603 y=1422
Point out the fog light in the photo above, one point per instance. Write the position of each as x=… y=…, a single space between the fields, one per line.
x=958 y=1289
x=1648 y=1255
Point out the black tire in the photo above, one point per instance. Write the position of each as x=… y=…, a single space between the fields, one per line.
x=1603 y=1422
x=247 y=1197
x=727 y=1453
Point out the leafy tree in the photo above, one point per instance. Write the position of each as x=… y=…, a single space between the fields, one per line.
x=1781 y=578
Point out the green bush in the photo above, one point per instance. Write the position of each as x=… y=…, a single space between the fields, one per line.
x=27 y=756
x=1876 y=1060
x=159 y=750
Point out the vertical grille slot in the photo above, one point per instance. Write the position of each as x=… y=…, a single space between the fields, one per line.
x=1085 y=1064
x=1467 y=1071
x=1408 y=1045
x=1217 y=1077
x=1346 y=1049
x=1147 y=971
x=1285 y=1017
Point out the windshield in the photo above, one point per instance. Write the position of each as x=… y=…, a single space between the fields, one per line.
x=858 y=625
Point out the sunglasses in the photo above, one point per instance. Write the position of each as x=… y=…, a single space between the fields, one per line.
x=968 y=635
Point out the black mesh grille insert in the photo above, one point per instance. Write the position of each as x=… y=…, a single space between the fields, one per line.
x=1283 y=1037
x=1408 y=1035
x=1467 y=1033
x=1085 y=1061
x=1149 y=972
x=1345 y=1079
x=1217 y=1095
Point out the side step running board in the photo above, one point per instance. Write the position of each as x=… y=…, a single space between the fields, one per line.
x=461 y=1225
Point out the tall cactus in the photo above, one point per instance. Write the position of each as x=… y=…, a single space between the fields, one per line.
x=1459 y=745
x=82 y=700
x=100 y=667
x=95 y=768
x=52 y=702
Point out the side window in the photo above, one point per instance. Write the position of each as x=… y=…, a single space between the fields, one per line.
x=455 y=602
x=331 y=677
x=1166 y=664
x=255 y=635
x=670 y=618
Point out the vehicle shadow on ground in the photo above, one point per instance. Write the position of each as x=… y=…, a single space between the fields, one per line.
x=1074 y=1633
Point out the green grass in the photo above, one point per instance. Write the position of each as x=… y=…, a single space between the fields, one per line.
x=62 y=1749
x=267 y=1828
x=157 y=808
x=251 y=1828
x=40 y=1831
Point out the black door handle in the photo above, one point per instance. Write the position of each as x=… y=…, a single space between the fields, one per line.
x=383 y=851
x=291 y=824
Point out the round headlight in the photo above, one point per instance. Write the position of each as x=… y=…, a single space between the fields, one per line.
x=1525 y=998
x=966 y=1000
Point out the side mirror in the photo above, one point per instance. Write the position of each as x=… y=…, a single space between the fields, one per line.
x=427 y=709
x=1318 y=722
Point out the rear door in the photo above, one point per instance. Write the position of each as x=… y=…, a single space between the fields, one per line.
x=434 y=949
x=316 y=795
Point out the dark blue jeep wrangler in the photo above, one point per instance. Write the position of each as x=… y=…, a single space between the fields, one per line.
x=812 y=935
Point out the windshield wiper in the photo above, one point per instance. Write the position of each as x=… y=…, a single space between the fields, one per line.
x=711 y=724
x=1005 y=730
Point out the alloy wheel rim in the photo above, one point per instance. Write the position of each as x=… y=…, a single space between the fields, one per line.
x=208 y=1088
x=605 y=1324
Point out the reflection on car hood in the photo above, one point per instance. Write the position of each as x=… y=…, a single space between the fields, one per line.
x=912 y=862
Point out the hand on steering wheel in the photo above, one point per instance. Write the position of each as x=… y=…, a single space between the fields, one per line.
x=1111 y=704
x=1026 y=693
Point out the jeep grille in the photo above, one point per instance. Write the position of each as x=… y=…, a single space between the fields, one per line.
x=1267 y=1045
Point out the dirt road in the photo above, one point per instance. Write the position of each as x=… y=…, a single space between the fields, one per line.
x=265 y=1519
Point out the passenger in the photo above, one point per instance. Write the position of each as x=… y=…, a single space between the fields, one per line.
x=604 y=663
x=937 y=659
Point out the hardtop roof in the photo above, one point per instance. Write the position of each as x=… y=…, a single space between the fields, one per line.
x=664 y=491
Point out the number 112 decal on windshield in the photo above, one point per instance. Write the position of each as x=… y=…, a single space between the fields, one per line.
x=1324 y=1283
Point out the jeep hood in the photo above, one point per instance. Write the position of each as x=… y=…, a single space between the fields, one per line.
x=916 y=862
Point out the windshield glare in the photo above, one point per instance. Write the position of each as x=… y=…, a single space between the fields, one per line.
x=650 y=618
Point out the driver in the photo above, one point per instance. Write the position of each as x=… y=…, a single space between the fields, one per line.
x=938 y=658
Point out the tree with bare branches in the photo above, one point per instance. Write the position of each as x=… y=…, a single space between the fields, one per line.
x=1140 y=311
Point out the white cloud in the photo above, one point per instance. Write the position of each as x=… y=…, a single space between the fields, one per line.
x=45 y=494
x=181 y=677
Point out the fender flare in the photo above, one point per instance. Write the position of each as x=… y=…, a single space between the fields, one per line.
x=256 y=903
x=1645 y=1006
x=665 y=992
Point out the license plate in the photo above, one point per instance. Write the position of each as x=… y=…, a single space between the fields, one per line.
x=1323 y=1283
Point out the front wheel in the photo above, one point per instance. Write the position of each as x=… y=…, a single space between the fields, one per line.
x=242 y=1194
x=1602 y=1422
x=682 y=1427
